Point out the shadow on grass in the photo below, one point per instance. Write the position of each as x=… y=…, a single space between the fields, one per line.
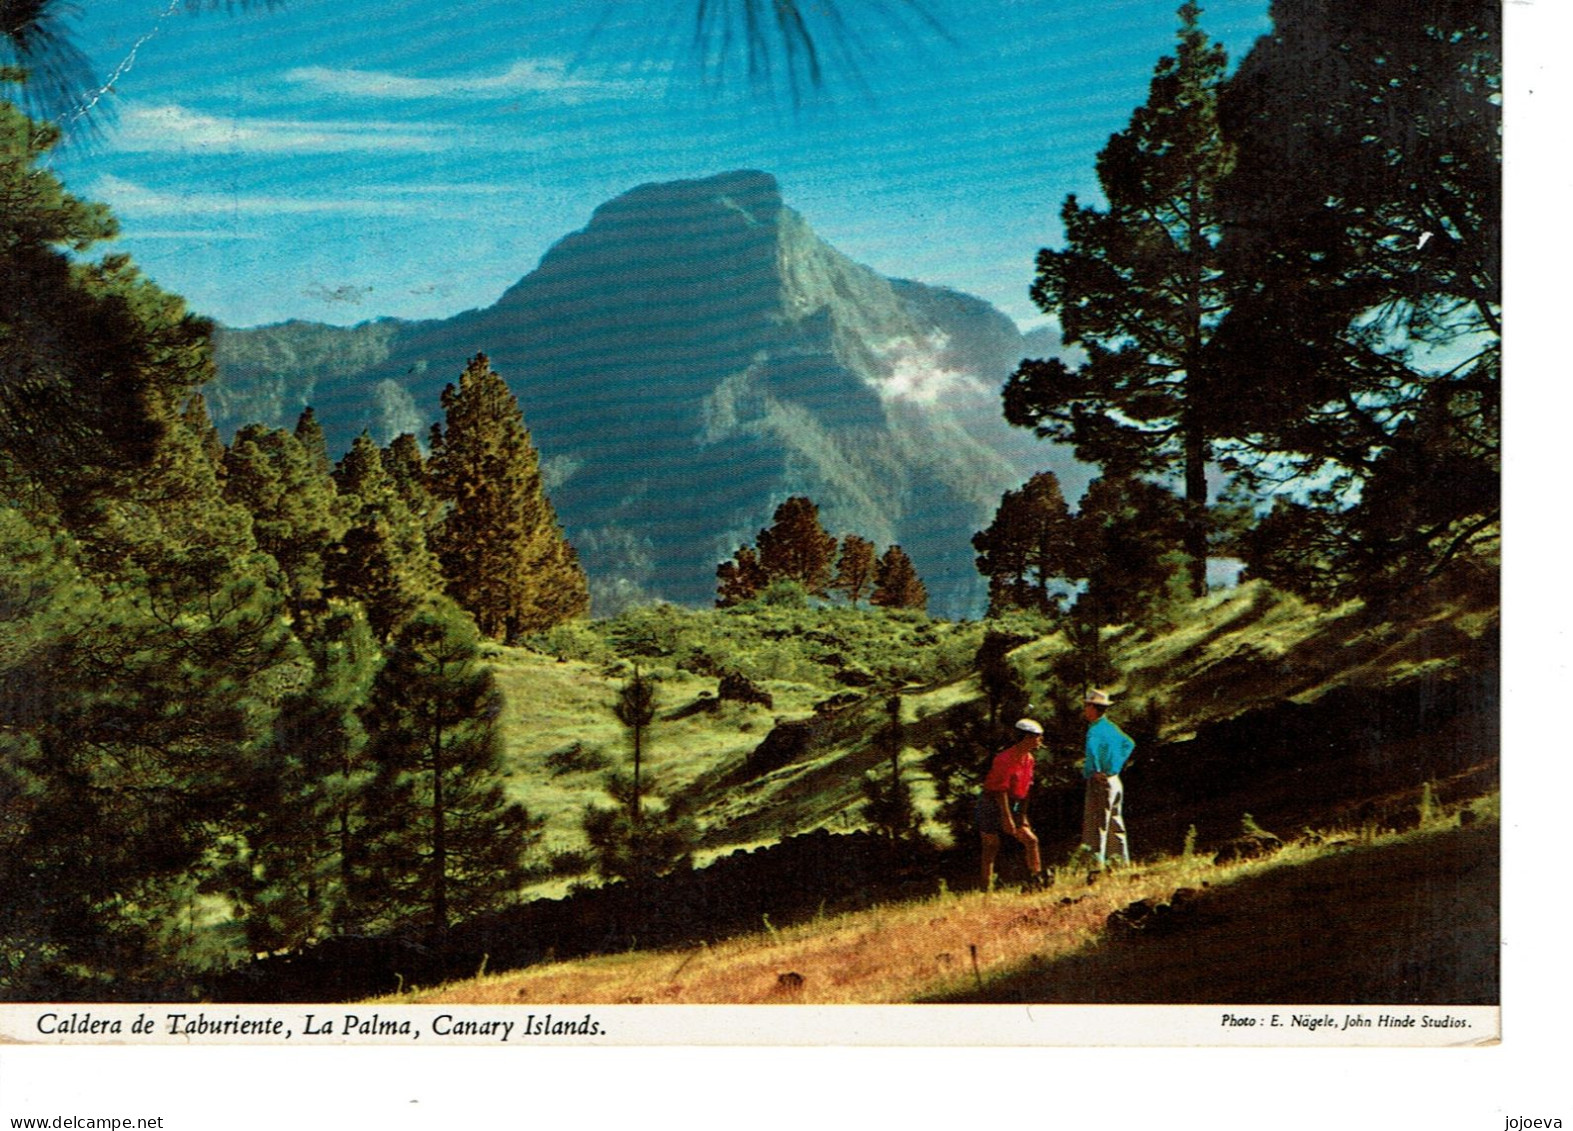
x=1413 y=923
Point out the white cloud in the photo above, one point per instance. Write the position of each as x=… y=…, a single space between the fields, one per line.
x=160 y=129
x=449 y=189
x=916 y=371
x=195 y=235
x=430 y=202
x=132 y=199
x=527 y=76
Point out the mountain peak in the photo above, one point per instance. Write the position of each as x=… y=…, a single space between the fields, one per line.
x=754 y=195
x=696 y=353
x=670 y=238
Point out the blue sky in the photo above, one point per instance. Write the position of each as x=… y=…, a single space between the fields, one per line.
x=339 y=160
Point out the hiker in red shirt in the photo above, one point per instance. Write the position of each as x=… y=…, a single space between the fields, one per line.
x=1002 y=809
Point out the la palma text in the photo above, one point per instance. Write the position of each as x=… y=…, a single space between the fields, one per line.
x=447 y=1025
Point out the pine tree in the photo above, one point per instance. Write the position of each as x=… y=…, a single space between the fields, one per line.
x=1141 y=288
x=144 y=650
x=896 y=582
x=294 y=508
x=75 y=389
x=957 y=763
x=136 y=728
x=661 y=841
x=1125 y=544
x=54 y=879
x=383 y=560
x=1364 y=218
x=405 y=464
x=887 y=798
x=185 y=673
x=854 y=568
x=1026 y=549
x=199 y=423
x=502 y=550
x=1003 y=686
x=442 y=841
x=635 y=709
x=308 y=430
x=643 y=837
x=740 y=579
x=293 y=885
x=795 y=547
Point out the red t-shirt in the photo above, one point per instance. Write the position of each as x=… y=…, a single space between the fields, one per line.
x=1011 y=773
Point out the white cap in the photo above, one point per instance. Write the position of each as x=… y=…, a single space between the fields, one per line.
x=1029 y=726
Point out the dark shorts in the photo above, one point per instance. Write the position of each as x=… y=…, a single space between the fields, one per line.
x=988 y=815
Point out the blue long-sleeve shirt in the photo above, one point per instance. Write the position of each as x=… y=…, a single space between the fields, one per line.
x=1108 y=749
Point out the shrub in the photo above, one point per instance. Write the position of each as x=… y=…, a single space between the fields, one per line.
x=888 y=806
x=650 y=631
x=781 y=635
x=570 y=862
x=576 y=758
x=575 y=640
x=951 y=657
x=661 y=841
x=784 y=660
x=856 y=677
x=738 y=688
x=703 y=659
x=784 y=595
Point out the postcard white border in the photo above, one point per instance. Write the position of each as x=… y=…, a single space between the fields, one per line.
x=1470 y=1089
x=520 y=1026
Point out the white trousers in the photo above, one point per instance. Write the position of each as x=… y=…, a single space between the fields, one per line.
x=1103 y=819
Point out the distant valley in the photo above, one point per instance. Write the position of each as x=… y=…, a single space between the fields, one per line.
x=691 y=357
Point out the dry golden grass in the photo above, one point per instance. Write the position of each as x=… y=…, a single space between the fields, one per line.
x=949 y=943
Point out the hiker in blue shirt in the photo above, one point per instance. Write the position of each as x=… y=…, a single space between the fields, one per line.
x=1108 y=750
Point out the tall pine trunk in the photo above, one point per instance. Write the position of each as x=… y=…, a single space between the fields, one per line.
x=439 y=834
x=1196 y=393
x=1196 y=510
x=638 y=757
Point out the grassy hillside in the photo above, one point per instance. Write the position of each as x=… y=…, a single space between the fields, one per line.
x=1316 y=715
x=828 y=668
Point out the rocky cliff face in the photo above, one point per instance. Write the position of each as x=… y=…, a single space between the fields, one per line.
x=690 y=358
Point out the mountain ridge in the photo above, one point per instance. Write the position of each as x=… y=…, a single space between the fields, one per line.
x=686 y=360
